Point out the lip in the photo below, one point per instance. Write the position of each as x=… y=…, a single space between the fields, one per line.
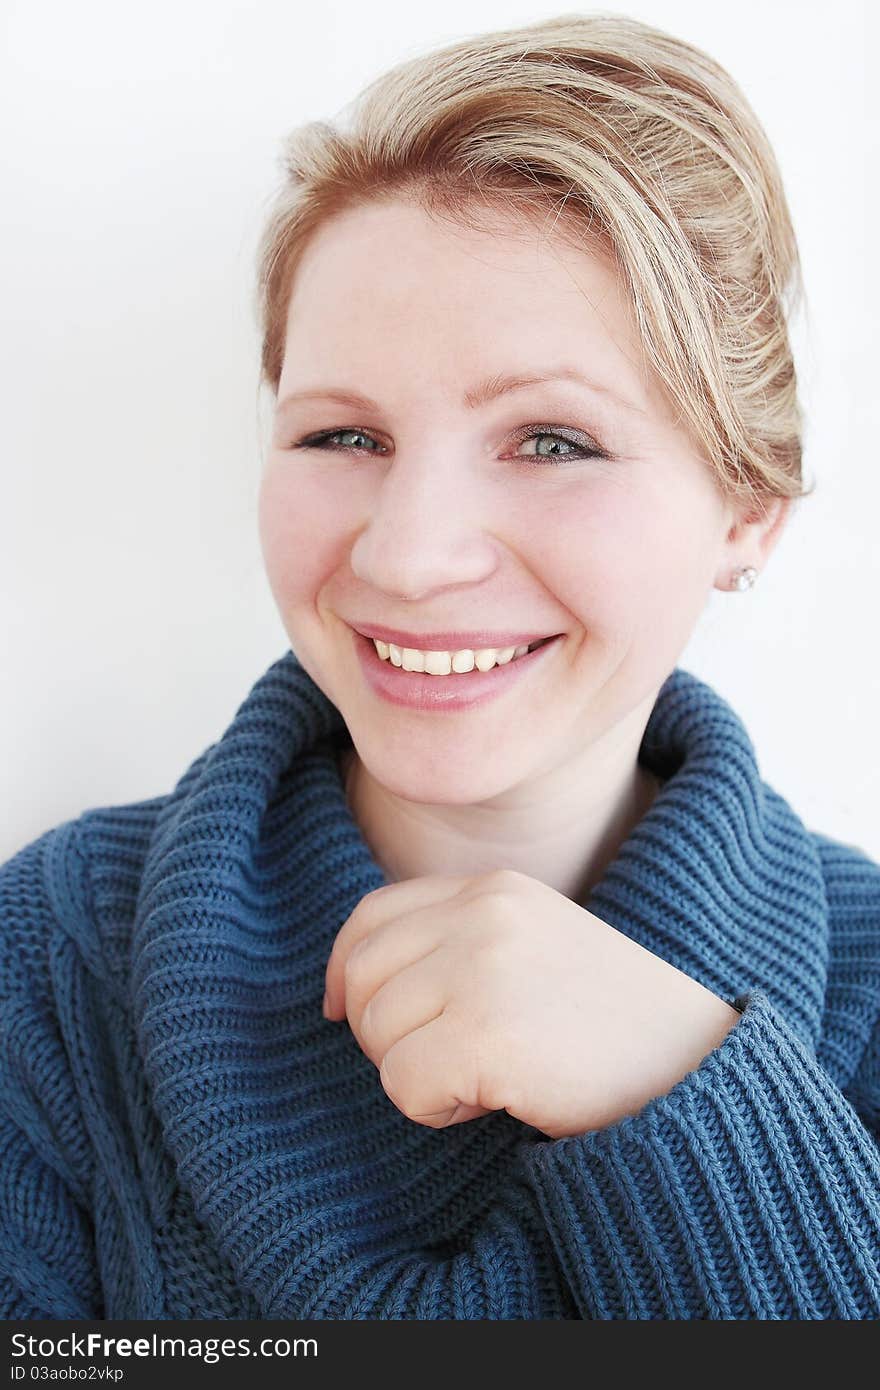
x=431 y=694
x=449 y=641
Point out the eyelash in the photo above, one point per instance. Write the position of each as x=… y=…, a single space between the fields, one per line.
x=585 y=448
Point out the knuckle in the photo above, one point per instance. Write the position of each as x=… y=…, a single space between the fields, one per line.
x=502 y=881
x=482 y=1082
x=492 y=924
x=389 y=1083
x=365 y=906
x=368 y=1018
x=374 y=893
x=495 y=899
x=473 y=1020
x=494 y=1092
x=369 y=900
x=488 y=953
x=354 y=961
x=403 y=1087
x=500 y=1068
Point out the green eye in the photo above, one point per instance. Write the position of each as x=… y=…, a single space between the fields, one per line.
x=358 y=434
x=320 y=441
x=571 y=445
x=578 y=446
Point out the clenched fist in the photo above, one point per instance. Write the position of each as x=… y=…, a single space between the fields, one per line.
x=493 y=991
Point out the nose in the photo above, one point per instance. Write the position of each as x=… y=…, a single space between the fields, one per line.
x=425 y=530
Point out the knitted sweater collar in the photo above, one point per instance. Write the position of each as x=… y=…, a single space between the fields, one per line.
x=255 y=863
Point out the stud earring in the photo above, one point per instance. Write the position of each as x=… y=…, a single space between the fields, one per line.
x=743 y=579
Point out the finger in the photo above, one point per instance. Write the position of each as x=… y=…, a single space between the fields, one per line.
x=378 y=958
x=404 y=1001
x=382 y=905
x=432 y=1075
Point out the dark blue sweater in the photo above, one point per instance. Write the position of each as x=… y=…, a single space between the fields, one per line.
x=182 y=1134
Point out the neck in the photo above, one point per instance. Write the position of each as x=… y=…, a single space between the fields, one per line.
x=565 y=835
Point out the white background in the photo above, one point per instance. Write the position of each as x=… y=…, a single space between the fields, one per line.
x=139 y=157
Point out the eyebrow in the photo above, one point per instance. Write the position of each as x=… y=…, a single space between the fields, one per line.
x=482 y=394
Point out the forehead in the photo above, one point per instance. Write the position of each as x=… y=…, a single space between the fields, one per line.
x=479 y=228
x=389 y=279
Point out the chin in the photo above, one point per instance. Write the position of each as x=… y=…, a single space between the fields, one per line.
x=443 y=784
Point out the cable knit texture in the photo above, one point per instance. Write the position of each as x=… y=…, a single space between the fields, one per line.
x=182 y=1133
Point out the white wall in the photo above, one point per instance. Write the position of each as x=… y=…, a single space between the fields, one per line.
x=139 y=152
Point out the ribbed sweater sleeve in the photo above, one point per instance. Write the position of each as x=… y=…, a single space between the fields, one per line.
x=750 y=1190
x=48 y=1265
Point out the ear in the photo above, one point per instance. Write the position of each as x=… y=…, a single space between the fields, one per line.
x=752 y=534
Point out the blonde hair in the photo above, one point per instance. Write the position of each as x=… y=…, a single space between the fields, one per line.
x=626 y=136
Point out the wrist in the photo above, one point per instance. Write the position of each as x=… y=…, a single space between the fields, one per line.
x=694 y=1028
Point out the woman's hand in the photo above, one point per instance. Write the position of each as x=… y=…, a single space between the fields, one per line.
x=493 y=991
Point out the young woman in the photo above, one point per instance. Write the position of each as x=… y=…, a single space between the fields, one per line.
x=599 y=1031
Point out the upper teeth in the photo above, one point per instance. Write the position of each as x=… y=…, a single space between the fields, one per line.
x=444 y=663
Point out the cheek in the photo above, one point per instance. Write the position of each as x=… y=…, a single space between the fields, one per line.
x=301 y=531
x=628 y=563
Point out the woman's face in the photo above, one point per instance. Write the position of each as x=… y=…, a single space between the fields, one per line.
x=441 y=513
